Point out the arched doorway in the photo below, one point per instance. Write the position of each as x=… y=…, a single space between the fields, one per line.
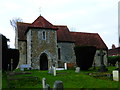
x=43 y=62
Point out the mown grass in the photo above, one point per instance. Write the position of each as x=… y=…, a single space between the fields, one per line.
x=69 y=77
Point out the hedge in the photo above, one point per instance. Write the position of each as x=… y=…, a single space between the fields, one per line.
x=113 y=59
x=84 y=56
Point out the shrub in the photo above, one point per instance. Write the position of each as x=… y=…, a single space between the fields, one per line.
x=84 y=56
x=113 y=59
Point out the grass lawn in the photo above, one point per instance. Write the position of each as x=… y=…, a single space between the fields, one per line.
x=69 y=77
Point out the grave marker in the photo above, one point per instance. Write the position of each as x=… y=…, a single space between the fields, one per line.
x=117 y=64
x=47 y=87
x=54 y=71
x=115 y=75
x=65 y=65
x=50 y=70
x=102 y=66
x=44 y=82
x=77 y=69
x=58 y=85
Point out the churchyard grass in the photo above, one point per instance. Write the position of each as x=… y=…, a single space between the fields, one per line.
x=69 y=77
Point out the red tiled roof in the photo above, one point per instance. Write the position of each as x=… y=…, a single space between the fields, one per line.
x=41 y=22
x=22 y=27
x=63 y=34
x=115 y=51
x=88 y=39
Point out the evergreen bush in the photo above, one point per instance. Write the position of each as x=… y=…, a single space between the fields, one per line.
x=113 y=59
x=84 y=56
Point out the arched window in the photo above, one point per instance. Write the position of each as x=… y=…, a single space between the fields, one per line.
x=59 y=54
x=44 y=35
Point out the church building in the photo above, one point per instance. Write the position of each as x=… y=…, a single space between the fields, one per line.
x=42 y=44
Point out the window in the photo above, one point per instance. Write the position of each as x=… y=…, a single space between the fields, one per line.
x=44 y=35
x=59 y=56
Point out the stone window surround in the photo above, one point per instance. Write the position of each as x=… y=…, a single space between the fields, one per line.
x=44 y=35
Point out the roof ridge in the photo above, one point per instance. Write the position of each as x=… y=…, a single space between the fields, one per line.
x=84 y=32
x=23 y=23
x=60 y=25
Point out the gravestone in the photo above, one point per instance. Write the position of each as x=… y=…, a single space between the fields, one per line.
x=65 y=65
x=58 y=85
x=50 y=70
x=54 y=71
x=47 y=87
x=77 y=69
x=44 y=82
x=102 y=66
x=115 y=75
x=117 y=66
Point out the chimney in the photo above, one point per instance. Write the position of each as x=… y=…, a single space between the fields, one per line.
x=113 y=46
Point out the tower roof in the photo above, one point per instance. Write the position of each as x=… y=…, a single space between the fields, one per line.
x=41 y=22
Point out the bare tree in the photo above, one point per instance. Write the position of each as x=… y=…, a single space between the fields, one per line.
x=14 y=21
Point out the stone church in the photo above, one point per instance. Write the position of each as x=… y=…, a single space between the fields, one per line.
x=42 y=44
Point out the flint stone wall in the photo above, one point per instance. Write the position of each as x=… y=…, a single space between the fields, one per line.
x=67 y=52
x=22 y=49
x=39 y=46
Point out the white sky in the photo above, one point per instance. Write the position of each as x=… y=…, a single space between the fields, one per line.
x=94 y=16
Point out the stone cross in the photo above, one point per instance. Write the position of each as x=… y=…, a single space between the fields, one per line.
x=58 y=85
x=115 y=75
x=44 y=82
x=102 y=66
x=65 y=65
x=101 y=57
x=40 y=10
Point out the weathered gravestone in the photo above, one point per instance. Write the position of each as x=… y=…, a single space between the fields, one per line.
x=115 y=75
x=117 y=64
x=77 y=69
x=47 y=87
x=58 y=85
x=50 y=70
x=54 y=71
x=102 y=66
x=44 y=82
x=65 y=65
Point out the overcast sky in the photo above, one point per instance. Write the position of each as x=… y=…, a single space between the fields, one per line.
x=94 y=16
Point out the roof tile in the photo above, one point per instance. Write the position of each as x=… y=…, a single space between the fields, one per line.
x=63 y=34
x=88 y=39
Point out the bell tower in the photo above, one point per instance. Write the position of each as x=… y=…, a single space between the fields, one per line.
x=41 y=41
